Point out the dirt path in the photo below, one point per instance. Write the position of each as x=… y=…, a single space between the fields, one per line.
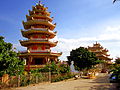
x=100 y=83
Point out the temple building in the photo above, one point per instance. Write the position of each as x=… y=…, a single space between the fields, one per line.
x=101 y=53
x=38 y=29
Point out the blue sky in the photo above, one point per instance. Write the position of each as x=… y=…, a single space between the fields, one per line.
x=79 y=23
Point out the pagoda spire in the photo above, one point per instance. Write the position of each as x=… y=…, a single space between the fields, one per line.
x=39 y=3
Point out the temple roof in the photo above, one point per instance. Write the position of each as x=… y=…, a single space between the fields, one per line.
x=99 y=51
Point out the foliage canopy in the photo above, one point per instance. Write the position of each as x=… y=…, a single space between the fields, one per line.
x=117 y=60
x=9 y=62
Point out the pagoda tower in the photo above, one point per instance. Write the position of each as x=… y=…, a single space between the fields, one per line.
x=38 y=29
x=101 y=53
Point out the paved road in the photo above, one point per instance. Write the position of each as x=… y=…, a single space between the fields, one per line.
x=100 y=83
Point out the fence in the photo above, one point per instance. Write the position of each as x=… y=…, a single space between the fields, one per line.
x=24 y=80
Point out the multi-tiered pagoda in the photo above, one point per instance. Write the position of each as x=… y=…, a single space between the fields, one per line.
x=101 y=53
x=39 y=30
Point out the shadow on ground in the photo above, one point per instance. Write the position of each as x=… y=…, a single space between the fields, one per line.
x=104 y=83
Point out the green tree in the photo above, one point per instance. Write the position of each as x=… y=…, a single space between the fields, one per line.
x=9 y=62
x=116 y=72
x=83 y=59
x=64 y=68
x=117 y=60
x=52 y=67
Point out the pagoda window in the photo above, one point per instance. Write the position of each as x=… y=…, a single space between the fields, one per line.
x=36 y=12
x=44 y=36
x=35 y=36
x=43 y=47
x=34 y=47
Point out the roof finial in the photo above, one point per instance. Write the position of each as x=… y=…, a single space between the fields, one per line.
x=39 y=2
x=96 y=42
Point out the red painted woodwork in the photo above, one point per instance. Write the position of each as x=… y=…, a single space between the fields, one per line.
x=34 y=47
x=43 y=47
x=43 y=37
x=36 y=36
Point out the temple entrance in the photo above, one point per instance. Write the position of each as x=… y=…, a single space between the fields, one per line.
x=38 y=61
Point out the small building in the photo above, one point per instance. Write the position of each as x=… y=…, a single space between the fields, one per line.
x=39 y=30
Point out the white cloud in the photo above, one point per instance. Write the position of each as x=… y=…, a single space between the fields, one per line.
x=111 y=29
x=110 y=33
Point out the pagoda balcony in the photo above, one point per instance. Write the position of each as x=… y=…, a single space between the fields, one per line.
x=40 y=51
x=56 y=53
x=37 y=11
x=34 y=22
x=40 y=19
x=26 y=33
x=44 y=20
x=33 y=28
x=41 y=29
x=29 y=42
x=37 y=21
x=98 y=51
x=39 y=16
x=42 y=39
x=34 y=51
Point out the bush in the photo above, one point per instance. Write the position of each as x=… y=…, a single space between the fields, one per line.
x=116 y=72
x=64 y=68
x=61 y=77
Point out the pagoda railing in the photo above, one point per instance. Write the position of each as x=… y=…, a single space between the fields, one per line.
x=41 y=29
x=39 y=39
x=34 y=51
x=35 y=40
x=101 y=55
x=29 y=40
x=47 y=50
x=39 y=14
x=41 y=20
x=40 y=51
